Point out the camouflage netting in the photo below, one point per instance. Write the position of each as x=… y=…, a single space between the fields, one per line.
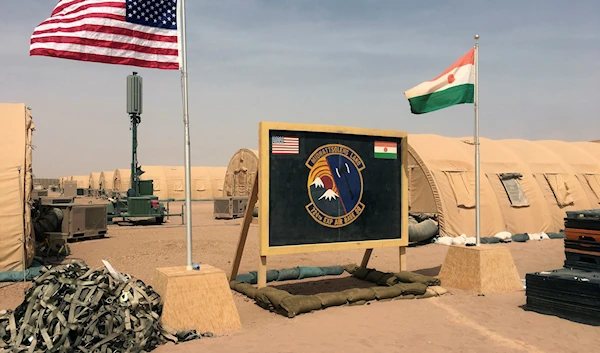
x=390 y=286
x=78 y=309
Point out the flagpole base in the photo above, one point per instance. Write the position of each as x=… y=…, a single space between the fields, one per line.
x=198 y=299
x=483 y=269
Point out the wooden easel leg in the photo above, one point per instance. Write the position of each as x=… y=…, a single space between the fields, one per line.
x=245 y=228
x=402 y=258
x=262 y=272
x=366 y=257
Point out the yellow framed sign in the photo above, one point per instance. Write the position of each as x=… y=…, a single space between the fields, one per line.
x=329 y=188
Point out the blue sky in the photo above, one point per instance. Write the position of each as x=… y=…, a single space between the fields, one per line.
x=343 y=62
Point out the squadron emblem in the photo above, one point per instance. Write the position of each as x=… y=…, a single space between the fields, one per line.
x=335 y=185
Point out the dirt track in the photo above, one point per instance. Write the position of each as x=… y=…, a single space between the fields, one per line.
x=457 y=322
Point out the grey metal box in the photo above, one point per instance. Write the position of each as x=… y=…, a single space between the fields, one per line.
x=230 y=207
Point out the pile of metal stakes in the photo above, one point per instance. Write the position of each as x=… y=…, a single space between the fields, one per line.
x=75 y=308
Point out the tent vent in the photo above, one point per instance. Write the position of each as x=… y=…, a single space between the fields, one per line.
x=513 y=189
x=593 y=180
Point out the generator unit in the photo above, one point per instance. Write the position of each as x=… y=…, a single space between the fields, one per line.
x=230 y=207
x=59 y=218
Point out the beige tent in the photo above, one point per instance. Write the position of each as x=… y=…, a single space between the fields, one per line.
x=107 y=180
x=526 y=186
x=94 y=181
x=16 y=183
x=122 y=180
x=240 y=174
x=169 y=181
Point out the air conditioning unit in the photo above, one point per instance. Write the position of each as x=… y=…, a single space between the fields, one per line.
x=230 y=207
x=81 y=221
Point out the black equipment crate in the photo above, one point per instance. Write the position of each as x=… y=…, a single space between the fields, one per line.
x=584 y=245
x=567 y=293
x=584 y=219
x=582 y=261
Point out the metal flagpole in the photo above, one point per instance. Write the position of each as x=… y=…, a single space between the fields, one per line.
x=476 y=104
x=186 y=128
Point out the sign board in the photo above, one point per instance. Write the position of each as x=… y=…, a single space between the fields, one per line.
x=329 y=188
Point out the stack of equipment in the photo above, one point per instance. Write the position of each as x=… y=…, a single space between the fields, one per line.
x=572 y=292
x=582 y=243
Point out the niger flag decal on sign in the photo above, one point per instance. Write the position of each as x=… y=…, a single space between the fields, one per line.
x=454 y=86
x=385 y=150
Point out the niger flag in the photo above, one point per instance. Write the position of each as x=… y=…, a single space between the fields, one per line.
x=454 y=86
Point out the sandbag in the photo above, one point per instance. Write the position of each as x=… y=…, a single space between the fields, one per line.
x=412 y=277
x=262 y=300
x=332 y=270
x=309 y=272
x=359 y=302
x=422 y=231
x=246 y=278
x=490 y=240
x=559 y=235
x=386 y=292
x=387 y=279
x=270 y=298
x=375 y=276
x=300 y=304
x=350 y=268
x=429 y=293
x=404 y=296
x=272 y=275
x=412 y=288
x=521 y=237
x=362 y=273
x=439 y=290
x=287 y=274
x=332 y=299
x=246 y=289
x=356 y=294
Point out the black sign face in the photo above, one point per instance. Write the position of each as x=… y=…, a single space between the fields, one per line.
x=333 y=188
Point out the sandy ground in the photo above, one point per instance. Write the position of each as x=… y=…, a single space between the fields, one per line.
x=457 y=322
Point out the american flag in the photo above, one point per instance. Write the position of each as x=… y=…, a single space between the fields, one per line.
x=139 y=33
x=284 y=145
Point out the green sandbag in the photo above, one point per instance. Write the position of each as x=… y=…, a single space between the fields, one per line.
x=246 y=289
x=521 y=237
x=288 y=274
x=412 y=288
x=559 y=235
x=232 y=284
x=246 y=278
x=300 y=304
x=387 y=292
x=360 y=302
x=388 y=279
x=332 y=270
x=407 y=296
x=350 y=268
x=271 y=298
x=332 y=299
x=356 y=294
x=428 y=294
x=362 y=272
x=262 y=299
x=412 y=277
x=490 y=240
x=309 y=272
x=374 y=276
x=272 y=275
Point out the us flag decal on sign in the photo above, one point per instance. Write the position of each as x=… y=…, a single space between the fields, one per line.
x=284 y=145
